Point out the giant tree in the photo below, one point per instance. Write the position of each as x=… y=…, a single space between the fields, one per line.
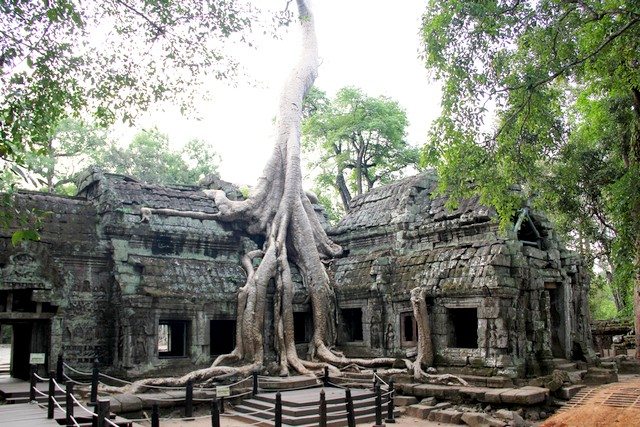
x=522 y=82
x=280 y=210
x=359 y=140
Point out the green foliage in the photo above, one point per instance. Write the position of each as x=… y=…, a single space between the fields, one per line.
x=149 y=158
x=545 y=95
x=70 y=148
x=111 y=59
x=358 y=141
x=601 y=302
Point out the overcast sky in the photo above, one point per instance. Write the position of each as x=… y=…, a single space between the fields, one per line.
x=370 y=44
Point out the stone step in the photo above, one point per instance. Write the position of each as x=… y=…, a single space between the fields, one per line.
x=528 y=395
x=564 y=364
x=288 y=383
x=600 y=376
x=567 y=392
x=360 y=418
x=311 y=409
x=449 y=416
x=422 y=411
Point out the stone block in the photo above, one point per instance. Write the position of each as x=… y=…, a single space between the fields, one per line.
x=448 y=416
x=511 y=417
x=525 y=396
x=404 y=400
x=600 y=376
x=499 y=382
x=431 y=401
x=567 y=392
x=473 y=393
x=479 y=419
x=129 y=402
x=419 y=411
x=436 y=390
x=493 y=395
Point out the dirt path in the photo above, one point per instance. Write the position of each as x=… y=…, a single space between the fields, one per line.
x=610 y=405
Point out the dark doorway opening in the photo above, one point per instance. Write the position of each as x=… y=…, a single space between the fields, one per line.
x=302 y=327
x=409 y=328
x=25 y=338
x=463 y=327
x=222 y=336
x=352 y=318
x=173 y=338
x=556 y=321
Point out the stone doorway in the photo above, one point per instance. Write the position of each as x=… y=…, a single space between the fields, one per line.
x=557 y=320
x=27 y=336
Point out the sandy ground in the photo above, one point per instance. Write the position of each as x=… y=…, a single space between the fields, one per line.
x=594 y=413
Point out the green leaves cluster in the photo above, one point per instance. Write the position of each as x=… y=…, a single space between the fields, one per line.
x=358 y=141
x=545 y=95
x=149 y=158
x=110 y=59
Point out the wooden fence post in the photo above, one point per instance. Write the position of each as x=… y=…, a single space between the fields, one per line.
x=69 y=403
x=188 y=400
x=278 y=420
x=52 y=391
x=155 y=416
x=390 y=405
x=33 y=381
x=323 y=409
x=351 y=418
x=95 y=378
x=215 y=413
x=60 y=369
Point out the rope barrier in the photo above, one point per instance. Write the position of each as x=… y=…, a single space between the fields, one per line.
x=55 y=383
x=108 y=421
x=74 y=381
x=40 y=392
x=88 y=411
x=114 y=378
x=375 y=375
x=75 y=370
x=39 y=378
x=337 y=385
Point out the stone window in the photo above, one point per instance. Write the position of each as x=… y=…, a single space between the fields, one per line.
x=302 y=327
x=463 y=327
x=409 y=330
x=222 y=336
x=352 y=318
x=173 y=338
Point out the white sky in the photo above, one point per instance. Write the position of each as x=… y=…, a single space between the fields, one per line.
x=370 y=44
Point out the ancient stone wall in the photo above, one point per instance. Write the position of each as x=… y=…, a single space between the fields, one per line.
x=498 y=302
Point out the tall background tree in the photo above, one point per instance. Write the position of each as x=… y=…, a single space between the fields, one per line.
x=545 y=94
x=150 y=158
x=357 y=141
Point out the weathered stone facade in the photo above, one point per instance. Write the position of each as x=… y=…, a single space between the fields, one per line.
x=499 y=301
x=152 y=292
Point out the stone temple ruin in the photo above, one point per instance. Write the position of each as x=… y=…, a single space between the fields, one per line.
x=148 y=292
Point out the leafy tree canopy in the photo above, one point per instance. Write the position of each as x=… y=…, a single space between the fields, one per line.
x=149 y=158
x=359 y=141
x=544 y=94
x=111 y=58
